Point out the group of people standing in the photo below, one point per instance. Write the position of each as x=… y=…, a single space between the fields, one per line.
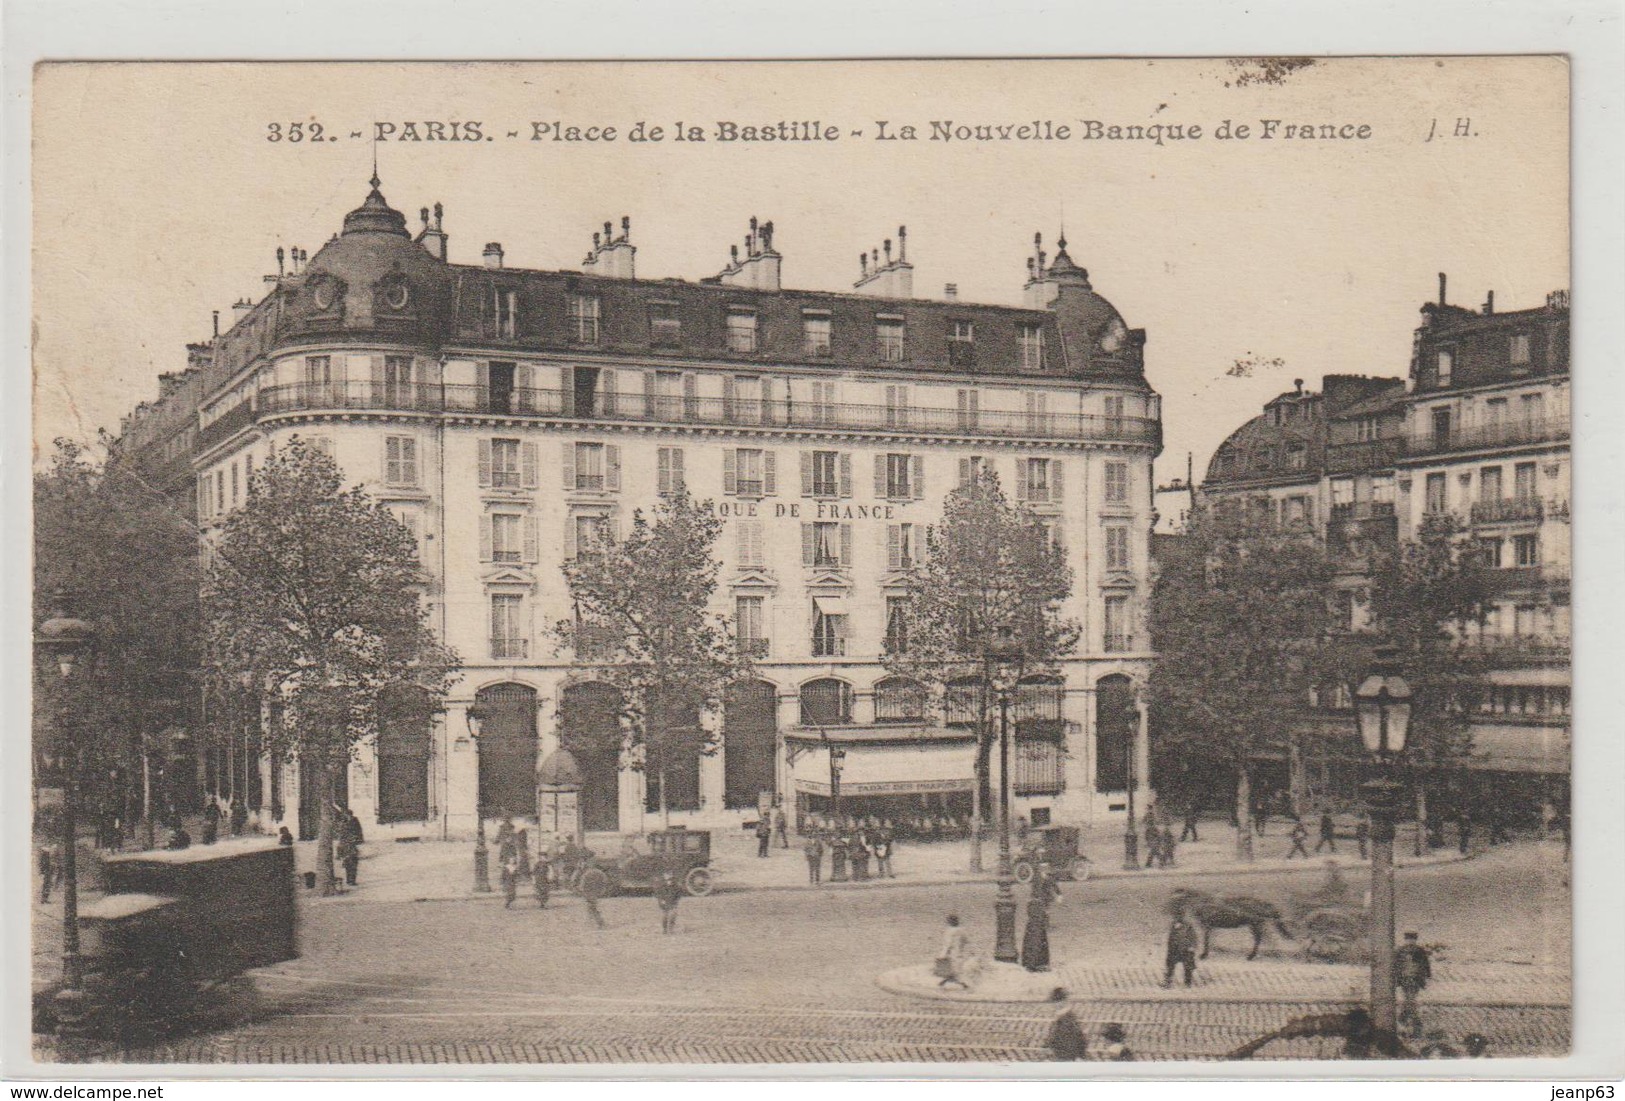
x=851 y=852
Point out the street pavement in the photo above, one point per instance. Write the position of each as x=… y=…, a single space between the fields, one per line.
x=790 y=976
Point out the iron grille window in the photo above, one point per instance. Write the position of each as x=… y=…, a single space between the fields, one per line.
x=826 y=702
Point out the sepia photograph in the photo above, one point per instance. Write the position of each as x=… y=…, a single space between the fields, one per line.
x=975 y=562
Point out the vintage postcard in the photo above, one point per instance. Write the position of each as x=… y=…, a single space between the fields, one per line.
x=971 y=562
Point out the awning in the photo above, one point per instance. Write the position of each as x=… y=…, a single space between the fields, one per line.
x=888 y=787
x=830 y=605
x=1499 y=747
x=894 y=768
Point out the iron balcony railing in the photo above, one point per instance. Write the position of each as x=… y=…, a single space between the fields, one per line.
x=1493 y=434
x=1508 y=510
x=510 y=648
x=690 y=409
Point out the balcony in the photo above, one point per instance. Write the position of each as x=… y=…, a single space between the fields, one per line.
x=1509 y=510
x=1514 y=650
x=240 y=416
x=637 y=407
x=1344 y=458
x=1496 y=434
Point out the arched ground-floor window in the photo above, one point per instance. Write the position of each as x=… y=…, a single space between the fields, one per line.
x=590 y=728
x=749 y=741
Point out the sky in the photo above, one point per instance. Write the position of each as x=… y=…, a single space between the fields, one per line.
x=160 y=197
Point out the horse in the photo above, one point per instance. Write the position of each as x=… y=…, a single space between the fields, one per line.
x=1208 y=912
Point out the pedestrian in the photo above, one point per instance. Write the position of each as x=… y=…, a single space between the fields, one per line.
x=861 y=851
x=351 y=835
x=1035 y=940
x=764 y=835
x=1181 y=950
x=541 y=879
x=1300 y=834
x=1153 y=841
x=47 y=872
x=781 y=826
x=350 y=857
x=1464 y=831
x=210 y=831
x=1362 y=835
x=1476 y=1045
x=1115 y=1049
x=589 y=886
x=1328 y=832
x=949 y=966
x=1189 y=832
x=508 y=862
x=1166 y=858
x=839 y=847
x=239 y=817
x=1413 y=967
x=522 y=844
x=1066 y=1041
x=1261 y=814
x=668 y=893
x=883 y=854
x=179 y=838
x=284 y=837
x=813 y=850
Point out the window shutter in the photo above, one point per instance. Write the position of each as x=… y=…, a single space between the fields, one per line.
x=806 y=474
x=678 y=482
x=846 y=546
x=770 y=473
x=649 y=387
x=485 y=538
x=964 y=473
x=485 y=462
x=532 y=554
x=691 y=399
x=730 y=484
x=341 y=375
x=663 y=483
x=377 y=365
x=482 y=375
x=524 y=380
x=568 y=464
x=1021 y=479
x=728 y=399
x=1055 y=468
x=742 y=543
x=612 y=466
x=606 y=383
x=917 y=476
x=845 y=462
x=567 y=391
x=527 y=464
x=757 y=551
x=806 y=544
x=391 y=470
x=894 y=546
x=880 y=477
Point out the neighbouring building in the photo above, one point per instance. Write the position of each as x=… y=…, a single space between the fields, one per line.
x=510 y=416
x=1480 y=432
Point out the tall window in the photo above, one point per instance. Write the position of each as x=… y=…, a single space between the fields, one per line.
x=589 y=459
x=592 y=534
x=1038 y=418
x=1114 y=414
x=669 y=471
x=1533 y=408
x=1297 y=456
x=1435 y=494
x=1030 y=339
x=824 y=478
x=749 y=632
x=1365 y=429
x=829 y=627
x=902 y=546
x=1116 y=635
x=1441 y=427
x=1526 y=550
x=1489 y=553
x=750 y=472
x=742 y=399
x=897 y=624
x=897 y=407
x=1116 y=482
x=1518 y=349
x=1489 y=484
x=889 y=333
x=1523 y=480
x=970 y=410
x=506 y=539
x=1117 y=547
x=741 y=330
x=505 y=464
x=823 y=403
x=826 y=544
x=507 y=313
x=970 y=468
x=1446 y=362
x=401 y=460
x=1038 y=480
x=398 y=382
x=899 y=479
x=508 y=636
x=815 y=332
x=665 y=325
x=584 y=318
x=961 y=343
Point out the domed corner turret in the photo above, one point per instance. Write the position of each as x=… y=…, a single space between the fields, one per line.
x=371 y=279
x=560 y=769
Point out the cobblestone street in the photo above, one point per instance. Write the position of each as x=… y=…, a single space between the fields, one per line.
x=790 y=976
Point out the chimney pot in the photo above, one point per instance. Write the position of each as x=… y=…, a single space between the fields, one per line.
x=1441 y=288
x=626 y=226
x=863 y=262
x=1298 y=384
x=888 y=250
x=902 y=243
x=493 y=255
x=437 y=214
x=216 y=323
x=596 y=237
x=1489 y=304
x=423 y=212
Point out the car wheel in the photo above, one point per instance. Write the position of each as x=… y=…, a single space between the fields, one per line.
x=699 y=882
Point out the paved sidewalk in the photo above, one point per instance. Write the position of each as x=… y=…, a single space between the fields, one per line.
x=444 y=870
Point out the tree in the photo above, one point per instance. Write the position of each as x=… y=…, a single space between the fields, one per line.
x=130 y=561
x=1424 y=595
x=990 y=571
x=643 y=623
x=313 y=601
x=1238 y=620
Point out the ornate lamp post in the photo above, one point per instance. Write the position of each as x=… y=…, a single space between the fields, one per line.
x=1382 y=705
x=67 y=639
x=837 y=761
x=1005 y=651
x=476 y=716
x=1131 y=838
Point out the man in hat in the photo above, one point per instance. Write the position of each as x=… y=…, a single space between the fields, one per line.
x=813 y=849
x=1181 y=950
x=1066 y=1041
x=1413 y=968
x=1300 y=834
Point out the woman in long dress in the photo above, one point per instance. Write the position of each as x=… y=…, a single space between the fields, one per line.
x=953 y=955
x=1035 y=942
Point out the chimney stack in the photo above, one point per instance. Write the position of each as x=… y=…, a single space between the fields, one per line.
x=893 y=278
x=762 y=266
x=1489 y=304
x=951 y=292
x=493 y=254
x=1297 y=385
x=217 y=324
x=611 y=256
x=240 y=309
x=1441 y=290
x=280 y=270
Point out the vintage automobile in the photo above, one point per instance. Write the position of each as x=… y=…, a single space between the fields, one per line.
x=1056 y=846
x=685 y=851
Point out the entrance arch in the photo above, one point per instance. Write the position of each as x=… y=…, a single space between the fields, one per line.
x=404 y=719
x=750 y=727
x=508 y=747
x=1117 y=721
x=590 y=728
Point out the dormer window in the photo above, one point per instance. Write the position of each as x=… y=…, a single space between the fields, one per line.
x=584 y=318
x=1030 y=338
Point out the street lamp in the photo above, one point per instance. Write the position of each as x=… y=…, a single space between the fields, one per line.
x=476 y=716
x=837 y=762
x=1005 y=651
x=1382 y=705
x=67 y=639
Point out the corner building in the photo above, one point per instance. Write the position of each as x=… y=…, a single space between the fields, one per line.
x=508 y=416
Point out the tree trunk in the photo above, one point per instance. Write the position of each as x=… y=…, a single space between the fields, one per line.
x=665 y=810
x=148 y=827
x=324 y=829
x=978 y=805
x=1244 y=815
x=1421 y=846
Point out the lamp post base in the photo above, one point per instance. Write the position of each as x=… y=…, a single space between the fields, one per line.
x=1131 y=851
x=482 y=870
x=1005 y=949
